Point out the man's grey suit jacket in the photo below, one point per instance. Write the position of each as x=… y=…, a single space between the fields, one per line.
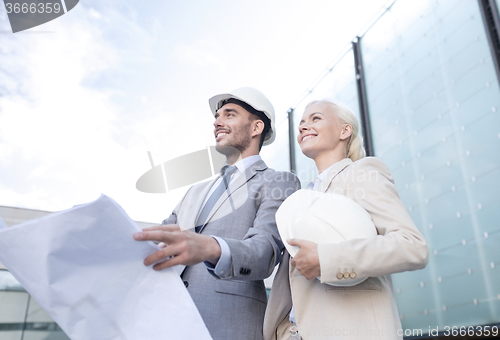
x=244 y=216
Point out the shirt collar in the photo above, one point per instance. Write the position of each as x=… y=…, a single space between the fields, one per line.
x=322 y=175
x=246 y=162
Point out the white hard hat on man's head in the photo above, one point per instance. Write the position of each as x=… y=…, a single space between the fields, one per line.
x=252 y=97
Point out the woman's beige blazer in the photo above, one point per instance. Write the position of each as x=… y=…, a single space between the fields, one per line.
x=367 y=310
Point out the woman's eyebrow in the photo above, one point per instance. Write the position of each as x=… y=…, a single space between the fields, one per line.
x=312 y=114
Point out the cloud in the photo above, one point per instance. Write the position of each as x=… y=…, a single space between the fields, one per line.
x=57 y=144
x=204 y=53
x=67 y=131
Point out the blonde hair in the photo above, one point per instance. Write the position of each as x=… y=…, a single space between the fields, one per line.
x=355 y=149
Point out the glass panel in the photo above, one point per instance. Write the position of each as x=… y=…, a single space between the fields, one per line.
x=339 y=85
x=434 y=106
x=10 y=334
x=40 y=332
x=9 y=282
x=37 y=313
x=277 y=155
x=15 y=322
x=13 y=307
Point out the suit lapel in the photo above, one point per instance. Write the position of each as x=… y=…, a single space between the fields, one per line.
x=197 y=205
x=334 y=172
x=249 y=173
x=241 y=180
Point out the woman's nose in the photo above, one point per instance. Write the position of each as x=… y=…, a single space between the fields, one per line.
x=303 y=127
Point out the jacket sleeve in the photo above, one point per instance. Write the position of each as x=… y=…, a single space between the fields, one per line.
x=255 y=256
x=398 y=247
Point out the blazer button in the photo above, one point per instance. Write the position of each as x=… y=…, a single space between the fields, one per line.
x=353 y=275
x=346 y=275
x=340 y=276
x=186 y=284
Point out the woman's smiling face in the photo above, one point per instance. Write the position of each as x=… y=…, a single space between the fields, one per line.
x=319 y=130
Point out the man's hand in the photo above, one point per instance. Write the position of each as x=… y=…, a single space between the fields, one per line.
x=307 y=260
x=182 y=247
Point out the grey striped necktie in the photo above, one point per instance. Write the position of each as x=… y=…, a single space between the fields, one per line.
x=226 y=172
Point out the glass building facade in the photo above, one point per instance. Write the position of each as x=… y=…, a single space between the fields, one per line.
x=433 y=102
x=21 y=318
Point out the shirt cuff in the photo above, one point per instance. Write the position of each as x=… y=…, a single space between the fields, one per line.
x=223 y=267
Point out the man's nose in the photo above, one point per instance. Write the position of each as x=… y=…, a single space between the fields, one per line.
x=218 y=122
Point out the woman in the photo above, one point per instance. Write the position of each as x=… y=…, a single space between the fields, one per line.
x=328 y=133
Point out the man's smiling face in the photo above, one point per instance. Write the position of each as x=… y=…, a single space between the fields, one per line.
x=232 y=129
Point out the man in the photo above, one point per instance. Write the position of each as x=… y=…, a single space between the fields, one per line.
x=231 y=222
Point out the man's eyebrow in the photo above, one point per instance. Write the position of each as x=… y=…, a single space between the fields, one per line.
x=226 y=110
x=230 y=110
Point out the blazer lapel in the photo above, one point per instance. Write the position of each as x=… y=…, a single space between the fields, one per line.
x=196 y=205
x=249 y=173
x=334 y=172
x=241 y=180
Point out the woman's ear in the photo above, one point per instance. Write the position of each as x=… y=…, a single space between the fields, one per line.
x=346 y=132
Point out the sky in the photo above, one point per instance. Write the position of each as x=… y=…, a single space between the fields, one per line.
x=83 y=98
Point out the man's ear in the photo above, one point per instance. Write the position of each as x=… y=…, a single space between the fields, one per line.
x=346 y=132
x=257 y=127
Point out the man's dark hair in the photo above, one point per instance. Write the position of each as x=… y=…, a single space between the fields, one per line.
x=255 y=114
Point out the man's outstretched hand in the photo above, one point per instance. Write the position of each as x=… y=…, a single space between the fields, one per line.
x=180 y=247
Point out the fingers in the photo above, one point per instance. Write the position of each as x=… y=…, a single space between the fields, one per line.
x=303 y=269
x=309 y=276
x=165 y=234
x=162 y=254
x=159 y=235
x=179 y=247
x=166 y=227
x=298 y=242
x=176 y=260
x=306 y=260
x=175 y=248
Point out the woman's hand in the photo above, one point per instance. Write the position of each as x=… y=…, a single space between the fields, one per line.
x=307 y=260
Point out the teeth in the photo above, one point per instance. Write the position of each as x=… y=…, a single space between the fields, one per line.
x=308 y=137
x=222 y=134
